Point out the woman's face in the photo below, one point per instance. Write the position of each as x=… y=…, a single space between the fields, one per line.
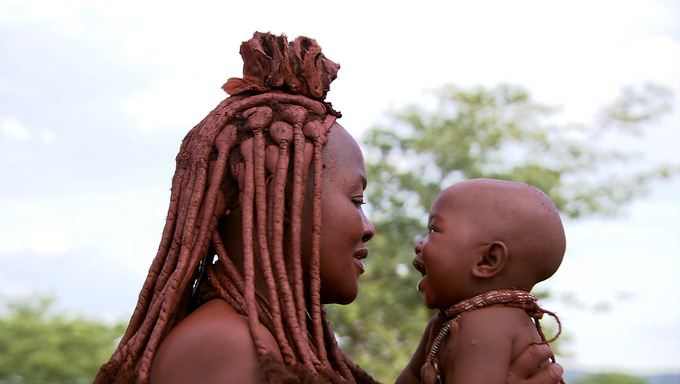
x=344 y=227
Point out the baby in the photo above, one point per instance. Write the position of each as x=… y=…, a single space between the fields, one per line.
x=489 y=242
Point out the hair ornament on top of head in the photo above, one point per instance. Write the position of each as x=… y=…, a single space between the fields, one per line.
x=271 y=63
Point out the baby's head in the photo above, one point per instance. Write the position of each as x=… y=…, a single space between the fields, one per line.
x=486 y=234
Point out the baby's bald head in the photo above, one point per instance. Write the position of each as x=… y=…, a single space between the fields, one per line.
x=519 y=215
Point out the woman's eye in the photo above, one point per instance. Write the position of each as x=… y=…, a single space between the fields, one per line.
x=359 y=201
x=430 y=230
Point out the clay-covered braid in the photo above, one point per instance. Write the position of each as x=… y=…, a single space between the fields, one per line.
x=254 y=150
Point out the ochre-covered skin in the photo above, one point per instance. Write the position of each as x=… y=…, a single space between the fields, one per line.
x=265 y=226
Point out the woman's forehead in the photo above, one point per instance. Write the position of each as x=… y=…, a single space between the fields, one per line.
x=342 y=149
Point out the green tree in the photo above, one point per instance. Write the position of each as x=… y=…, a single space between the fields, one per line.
x=37 y=346
x=609 y=378
x=495 y=132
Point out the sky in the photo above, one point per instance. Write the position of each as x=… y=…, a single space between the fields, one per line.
x=95 y=98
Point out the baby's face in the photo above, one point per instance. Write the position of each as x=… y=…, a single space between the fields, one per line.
x=446 y=256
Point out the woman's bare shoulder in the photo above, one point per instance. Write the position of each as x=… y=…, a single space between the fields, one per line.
x=212 y=344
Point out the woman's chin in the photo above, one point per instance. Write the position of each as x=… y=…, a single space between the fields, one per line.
x=347 y=296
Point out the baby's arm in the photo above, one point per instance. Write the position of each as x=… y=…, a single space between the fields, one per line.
x=488 y=339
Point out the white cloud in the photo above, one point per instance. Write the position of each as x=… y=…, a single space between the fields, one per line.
x=50 y=241
x=13 y=129
x=177 y=101
x=42 y=241
x=48 y=137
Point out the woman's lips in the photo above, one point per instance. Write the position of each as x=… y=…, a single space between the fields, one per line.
x=358 y=256
x=361 y=265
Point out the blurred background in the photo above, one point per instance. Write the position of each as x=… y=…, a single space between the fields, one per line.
x=580 y=98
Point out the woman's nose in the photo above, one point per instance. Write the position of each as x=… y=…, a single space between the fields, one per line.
x=369 y=229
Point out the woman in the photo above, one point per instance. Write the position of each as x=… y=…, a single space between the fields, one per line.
x=265 y=226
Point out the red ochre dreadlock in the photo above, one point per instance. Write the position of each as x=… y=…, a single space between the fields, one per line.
x=276 y=112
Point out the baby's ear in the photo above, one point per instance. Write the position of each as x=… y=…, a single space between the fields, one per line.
x=493 y=260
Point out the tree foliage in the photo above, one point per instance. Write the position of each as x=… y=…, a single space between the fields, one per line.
x=495 y=132
x=37 y=346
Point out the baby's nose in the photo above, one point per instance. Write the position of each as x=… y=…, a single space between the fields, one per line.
x=418 y=247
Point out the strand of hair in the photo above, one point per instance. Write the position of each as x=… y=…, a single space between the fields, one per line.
x=261 y=216
x=336 y=353
x=248 y=251
x=298 y=329
x=315 y=283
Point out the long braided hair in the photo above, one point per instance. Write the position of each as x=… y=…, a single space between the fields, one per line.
x=254 y=150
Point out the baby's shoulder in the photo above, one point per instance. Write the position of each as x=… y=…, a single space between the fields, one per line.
x=497 y=321
x=500 y=323
x=496 y=313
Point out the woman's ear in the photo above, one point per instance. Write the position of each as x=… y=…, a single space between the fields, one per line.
x=493 y=260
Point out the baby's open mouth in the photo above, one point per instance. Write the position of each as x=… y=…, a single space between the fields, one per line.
x=419 y=266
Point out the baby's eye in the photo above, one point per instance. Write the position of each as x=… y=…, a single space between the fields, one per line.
x=431 y=229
